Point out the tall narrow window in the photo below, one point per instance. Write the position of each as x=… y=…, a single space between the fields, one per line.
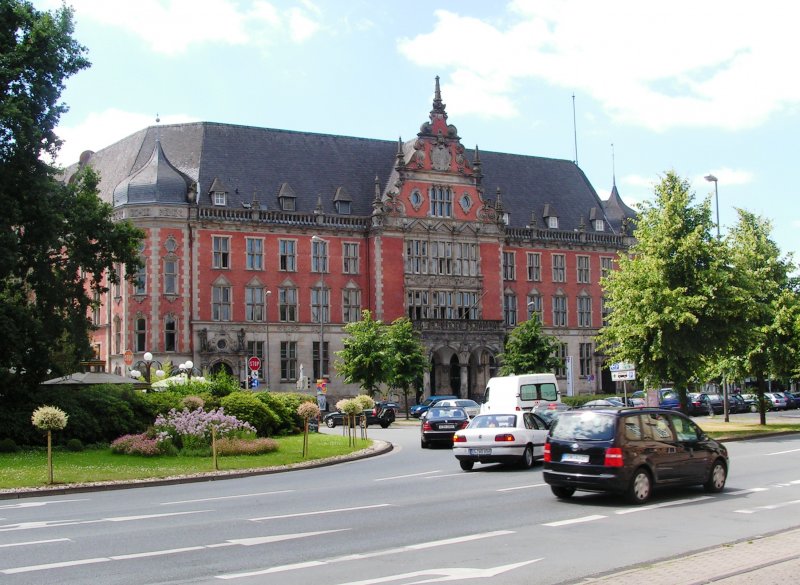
x=254 y=303
x=170 y=276
x=416 y=257
x=117 y=335
x=606 y=266
x=141 y=334
x=583 y=269
x=584 y=311
x=585 y=359
x=140 y=279
x=509 y=268
x=350 y=258
x=170 y=334
x=221 y=303
x=466 y=261
x=254 y=259
x=534 y=266
x=605 y=310
x=96 y=308
x=561 y=356
x=221 y=252
x=559 y=267
x=319 y=256
x=288 y=361
x=117 y=288
x=510 y=310
x=287 y=305
x=418 y=304
x=351 y=305
x=535 y=307
x=559 y=311
x=287 y=254
x=256 y=349
x=315 y=359
x=441 y=202
x=319 y=305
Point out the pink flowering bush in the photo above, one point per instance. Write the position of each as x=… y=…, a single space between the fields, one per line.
x=236 y=446
x=191 y=429
x=141 y=444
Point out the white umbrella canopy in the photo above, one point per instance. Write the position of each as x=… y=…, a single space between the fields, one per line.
x=176 y=380
x=91 y=378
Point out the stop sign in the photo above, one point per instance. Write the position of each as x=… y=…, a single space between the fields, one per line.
x=254 y=363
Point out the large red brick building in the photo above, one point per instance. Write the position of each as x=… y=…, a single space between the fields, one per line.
x=263 y=242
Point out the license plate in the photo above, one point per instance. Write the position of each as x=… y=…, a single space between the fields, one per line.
x=480 y=451
x=447 y=427
x=575 y=458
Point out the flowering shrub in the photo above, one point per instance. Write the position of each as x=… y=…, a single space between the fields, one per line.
x=140 y=444
x=308 y=410
x=364 y=401
x=49 y=418
x=192 y=428
x=235 y=446
x=193 y=402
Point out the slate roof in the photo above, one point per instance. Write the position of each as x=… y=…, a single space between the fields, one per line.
x=255 y=162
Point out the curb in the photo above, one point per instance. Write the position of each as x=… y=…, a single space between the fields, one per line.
x=377 y=448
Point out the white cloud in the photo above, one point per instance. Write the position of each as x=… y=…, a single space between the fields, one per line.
x=101 y=129
x=659 y=65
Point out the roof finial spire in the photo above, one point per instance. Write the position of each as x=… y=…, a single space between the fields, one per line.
x=158 y=128
x=613 y=168
x=438 y=106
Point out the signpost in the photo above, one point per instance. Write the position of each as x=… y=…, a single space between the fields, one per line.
x=622 y=372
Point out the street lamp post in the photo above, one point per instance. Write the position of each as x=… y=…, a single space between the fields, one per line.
x=147 y=363
x=266 y=317
x=713 y=179
x=321 y=264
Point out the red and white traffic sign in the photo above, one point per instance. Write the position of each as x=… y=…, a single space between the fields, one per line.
x=254 y=363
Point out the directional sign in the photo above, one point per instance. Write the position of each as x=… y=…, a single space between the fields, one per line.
x=621 y=367
x=254 y=363
x=623 y=375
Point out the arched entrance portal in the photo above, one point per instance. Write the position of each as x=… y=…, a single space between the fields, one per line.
x=221 y=367
x=455 y=376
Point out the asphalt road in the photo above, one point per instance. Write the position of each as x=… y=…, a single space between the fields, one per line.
x=410 y=516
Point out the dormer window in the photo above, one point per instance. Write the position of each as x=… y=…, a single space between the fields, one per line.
x=550 y=216
x=343 y=207
x=287 y=203
x=219 y=198
x=599 y=225
x=342 y=201
x=552 y=222
x=287 y=198
x=506 y=219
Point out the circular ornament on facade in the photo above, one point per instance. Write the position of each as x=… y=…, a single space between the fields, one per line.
x=416 y=199
x=465 y=202
x=222 y=344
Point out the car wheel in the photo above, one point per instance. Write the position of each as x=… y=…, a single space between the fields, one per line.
x=561 y=492
x=640 y=488
x=466 y=465
x=331 y=422
x=753 y=408
x=527 y=458
x=384 y=424
x=717 y=477
x=423 y=443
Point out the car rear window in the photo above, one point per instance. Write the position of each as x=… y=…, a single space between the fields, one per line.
x=587 y=426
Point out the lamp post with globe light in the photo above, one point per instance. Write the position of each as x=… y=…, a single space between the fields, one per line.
x=321 y=264
x=143 y=367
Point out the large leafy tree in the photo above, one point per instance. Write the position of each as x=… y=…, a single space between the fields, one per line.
x=673 y=296
x=406 y=355
x=529 y=350
x=768 y=345
x=56 y=240
x=363 y=360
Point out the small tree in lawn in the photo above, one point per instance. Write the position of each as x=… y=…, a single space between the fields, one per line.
x=365 y=403
x=363 y=359
x=350 y=407
x=406 y=355
x=529 y=350
x=306 y=411
x=49 y=418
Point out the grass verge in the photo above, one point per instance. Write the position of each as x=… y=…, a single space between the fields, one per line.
x=29 y=468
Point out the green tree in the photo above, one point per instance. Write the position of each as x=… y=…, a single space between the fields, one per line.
x=56 y=240
x=768 y=346
x=672 y=297
x=528 y=350
x=363 y=360
x=406 y=355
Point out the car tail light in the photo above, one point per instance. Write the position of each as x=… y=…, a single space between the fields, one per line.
x=613 y=457
x=465 y=424
x=426 y=426
x=504 y=438
x=518 y=408
x=547 y=455
x=459 y=439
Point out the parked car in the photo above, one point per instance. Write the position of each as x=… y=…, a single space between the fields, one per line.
x=417 y=410
x=736 y=404
x=791 y=402
x=700 y=403
x=472 y=407
x=638 y=398
x=630 y=452
x=775 y=401
x=383 y=414
x=515 y=438
x=440 y=424
x=713 y=403
x=550 y=411
x=751 y=400
x=603 y=403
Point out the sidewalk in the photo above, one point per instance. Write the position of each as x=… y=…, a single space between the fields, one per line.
x=769 y=560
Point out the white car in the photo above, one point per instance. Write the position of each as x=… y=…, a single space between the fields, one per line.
x=516 y=437
x=472 y=407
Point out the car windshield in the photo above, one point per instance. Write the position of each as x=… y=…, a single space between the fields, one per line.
x=446 y=413
x=487 y=421
x=588 y=426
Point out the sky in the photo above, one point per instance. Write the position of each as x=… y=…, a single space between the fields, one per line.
x=628 y=89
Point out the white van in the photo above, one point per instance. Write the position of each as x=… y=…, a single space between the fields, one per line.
x=524 y=392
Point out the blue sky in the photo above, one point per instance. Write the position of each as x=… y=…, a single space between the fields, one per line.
x=696 y=86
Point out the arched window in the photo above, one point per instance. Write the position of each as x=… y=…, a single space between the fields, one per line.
x=141 y=333
x=170 y=334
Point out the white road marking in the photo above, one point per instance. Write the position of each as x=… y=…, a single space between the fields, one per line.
x=459 y=474
x=38 y=504
x=409 y=475
x=783 y=452
x=522 y=487
x=768 y=507
x=331 y=511
x=575 y=520
x=743 y=492
x=391 y=551
x=34 y=542
x=662 y=505
x=446 y=574
x=56 y=523
x=226 y=497
x=155 y=553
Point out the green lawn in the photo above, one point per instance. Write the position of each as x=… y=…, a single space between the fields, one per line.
x=29 y=468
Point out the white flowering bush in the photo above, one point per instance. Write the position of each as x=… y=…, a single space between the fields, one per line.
x=364 y=401
x=308 y=410
x=49 y=418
